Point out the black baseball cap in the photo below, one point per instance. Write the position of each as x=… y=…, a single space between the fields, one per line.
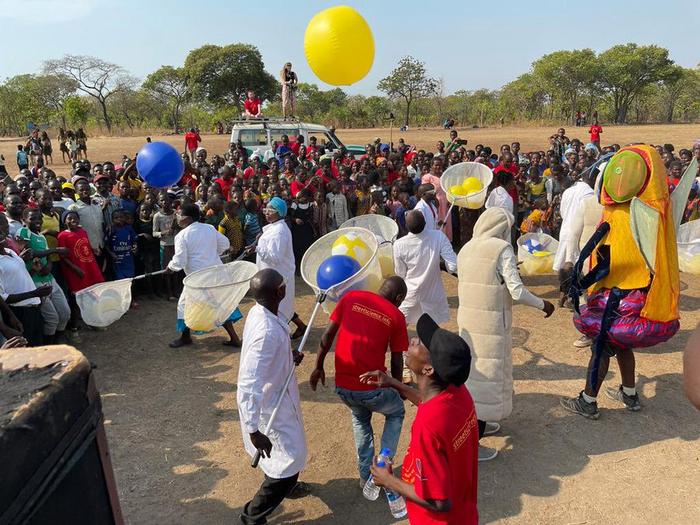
x=449 y=353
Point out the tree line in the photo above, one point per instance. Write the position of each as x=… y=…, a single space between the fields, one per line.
x=625 y=84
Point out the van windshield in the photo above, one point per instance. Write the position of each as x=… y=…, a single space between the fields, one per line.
x=253 y=137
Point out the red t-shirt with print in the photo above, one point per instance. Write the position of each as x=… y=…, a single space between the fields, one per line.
x=442 y=458
x=369 y=324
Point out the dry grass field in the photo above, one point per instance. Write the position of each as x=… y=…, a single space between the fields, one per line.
x=530 y=138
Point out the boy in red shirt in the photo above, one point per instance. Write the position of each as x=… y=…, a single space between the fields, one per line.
x=252 y=105
x=192 y=140
x=440 y=470
x=366 y=325
x=595 y=131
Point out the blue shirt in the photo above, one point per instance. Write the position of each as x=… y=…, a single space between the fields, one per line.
x=281 y=152
x=121 y=241
x=22 y=159
x=251 y=228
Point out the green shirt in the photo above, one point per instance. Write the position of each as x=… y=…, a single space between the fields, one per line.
x=36 y=242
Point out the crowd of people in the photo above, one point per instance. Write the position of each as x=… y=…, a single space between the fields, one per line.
x=59 y=235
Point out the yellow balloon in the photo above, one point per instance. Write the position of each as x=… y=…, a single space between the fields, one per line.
x=353 y=246
x=472 y=185
x=457 y=190
x=339 y=46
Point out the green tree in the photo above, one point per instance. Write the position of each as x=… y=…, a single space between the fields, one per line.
x=222 y=75
x=94 y=77
x=625 y=70
x=77 y=110
x=567 y=76
x=52 y=91
x=169 y=84
x=407 y=82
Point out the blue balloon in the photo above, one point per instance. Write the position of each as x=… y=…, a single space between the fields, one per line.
x=336 y=269
x=160 y=164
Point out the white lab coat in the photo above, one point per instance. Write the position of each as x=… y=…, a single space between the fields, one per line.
x=266 y=361
x=429 y=212
x=417 y=261
x=197 y=247
x=275 y=251
x=568 y=250
x=500 y=198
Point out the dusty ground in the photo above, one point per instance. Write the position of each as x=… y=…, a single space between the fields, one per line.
x=177 y=452
x=531 y=138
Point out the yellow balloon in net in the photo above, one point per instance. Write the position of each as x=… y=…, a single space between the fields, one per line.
x=458 y=190
x=339 y=46
x=471 y=185
x=200 y=316
x=541 y=253
x=386 y=262
x=353 y=246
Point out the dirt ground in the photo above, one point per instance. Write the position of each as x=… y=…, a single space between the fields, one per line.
x=531 y=138
x=176 y=441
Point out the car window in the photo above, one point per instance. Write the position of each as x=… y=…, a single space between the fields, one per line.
x=253 y=137
x=276 y=134
x=331 y=142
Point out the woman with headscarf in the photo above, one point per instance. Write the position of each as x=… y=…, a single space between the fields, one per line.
x=443 y=204
x=488 y=284
x=289 y=81
x=275 y=250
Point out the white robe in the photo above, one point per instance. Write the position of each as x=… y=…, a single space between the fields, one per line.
x=429 y=212
x=568 y=250
x=499 y=198
x=197 y=247
x=417 y=261
x=266 y=361
x=275 y=251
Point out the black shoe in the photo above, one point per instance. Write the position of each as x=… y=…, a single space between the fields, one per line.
x=578 y=405
x=300 y=490
x=631 y=402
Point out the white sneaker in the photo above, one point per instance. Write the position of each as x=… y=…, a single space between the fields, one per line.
x=583 y=342
x=487 y=454
x=491 y=428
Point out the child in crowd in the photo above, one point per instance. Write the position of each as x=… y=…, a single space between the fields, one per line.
x=120 y=244
x=164 y=230
x=214 y=211
x=301 y=217
x=251 y=222
x=534 y=222
x=79 y=266
x=337 y=206
x=22 y=158
x=148 y=259
x=232 y=228
x=320 y=220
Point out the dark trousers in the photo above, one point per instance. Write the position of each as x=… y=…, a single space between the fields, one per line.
x=33 y=323
x=482 y=427
x=269 y=496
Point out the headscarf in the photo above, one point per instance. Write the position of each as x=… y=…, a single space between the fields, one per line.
x=278 y=205
x=66 y=213
x=494 y=222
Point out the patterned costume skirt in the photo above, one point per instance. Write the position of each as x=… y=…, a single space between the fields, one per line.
x=628 y=329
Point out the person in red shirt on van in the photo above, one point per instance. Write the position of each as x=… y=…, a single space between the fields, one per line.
x=440 y=471
x=366 y=325
x=252 y=105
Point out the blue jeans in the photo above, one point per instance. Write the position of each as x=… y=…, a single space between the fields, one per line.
x=363 y=403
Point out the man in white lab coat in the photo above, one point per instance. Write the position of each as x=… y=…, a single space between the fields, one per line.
x=568 y=250
x=427 y=206
x=274 y=250
x=198 y=246
x=267 y=360
x=417 y=260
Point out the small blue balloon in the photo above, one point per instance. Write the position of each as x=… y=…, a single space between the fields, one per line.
x=160 y=164
x=335 y=270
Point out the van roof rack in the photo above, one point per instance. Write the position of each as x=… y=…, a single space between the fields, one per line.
x=266 y=120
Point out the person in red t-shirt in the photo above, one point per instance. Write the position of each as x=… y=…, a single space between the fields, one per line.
x=440 y=471
x=511 y=168
x=252 y=105
x=192 y=140
x=366 y=324
x=226 y=180
x=595 y=131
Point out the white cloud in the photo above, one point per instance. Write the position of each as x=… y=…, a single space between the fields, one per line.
x=51 y=11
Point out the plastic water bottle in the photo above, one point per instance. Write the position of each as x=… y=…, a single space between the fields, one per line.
x=397 y=505
x=371 y=491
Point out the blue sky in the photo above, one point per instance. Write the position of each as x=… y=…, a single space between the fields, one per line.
x=468 y=44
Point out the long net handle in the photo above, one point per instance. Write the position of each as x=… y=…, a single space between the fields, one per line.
x=278 y=403
x=448 y=216
x=159 y=272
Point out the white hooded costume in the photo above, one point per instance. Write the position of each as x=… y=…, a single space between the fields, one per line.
x=488 y=284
